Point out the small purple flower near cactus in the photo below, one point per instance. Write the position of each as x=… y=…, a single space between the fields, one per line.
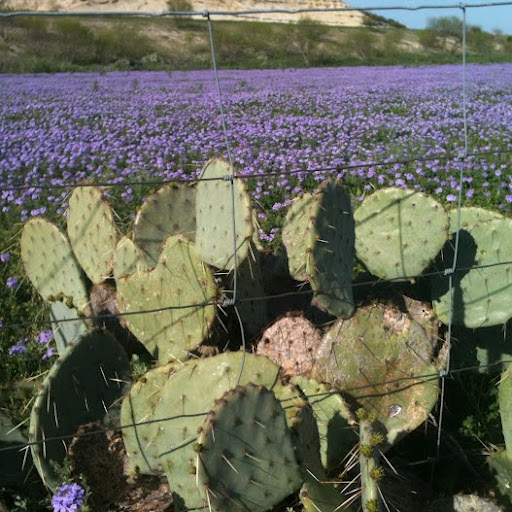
x=5 y=257
x=11 y=282
x=18 y=348
x=69 y=498
x=45 y=337
x=49 y=353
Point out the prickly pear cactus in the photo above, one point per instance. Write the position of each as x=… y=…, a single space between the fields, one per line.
x=67 y=325
x=399 y=232
x=245 y=457
x=317 y=493
x=215 y=238
x=51 y=265
x=80 y=388
x=172 y=327
x=172 y=394
x=13 y=468
x=128 y=259
x=482 y=297
x=378 y=359
x=92 y=232
x=335 y=422
x=169 y=211
x=319 y=238
x=291 y=342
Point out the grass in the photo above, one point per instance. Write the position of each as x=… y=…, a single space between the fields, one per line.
x=44 y=44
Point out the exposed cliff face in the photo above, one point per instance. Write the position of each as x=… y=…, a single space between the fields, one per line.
x=351 y=18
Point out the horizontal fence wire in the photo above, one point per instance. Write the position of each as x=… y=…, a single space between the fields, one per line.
x=271 y=174
x=462 y=156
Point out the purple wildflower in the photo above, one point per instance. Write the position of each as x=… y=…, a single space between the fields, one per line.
x=11 y=282
x=18 y=348
x=49 y=353
x=69 y=498
x=451 y=198
x=45 y=337
x=5 y=257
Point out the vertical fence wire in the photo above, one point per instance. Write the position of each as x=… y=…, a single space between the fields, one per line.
x=450 y=272
x=231 y=178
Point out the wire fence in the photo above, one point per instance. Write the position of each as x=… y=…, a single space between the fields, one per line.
x=462 y=156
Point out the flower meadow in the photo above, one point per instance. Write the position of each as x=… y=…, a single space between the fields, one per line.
x=288 y=130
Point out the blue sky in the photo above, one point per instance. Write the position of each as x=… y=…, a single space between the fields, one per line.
x=489 y=18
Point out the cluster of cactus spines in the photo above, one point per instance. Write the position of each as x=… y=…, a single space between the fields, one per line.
x=92 y=231
x=482 y=297
x=169 y=211
x=371 y=471
x=215 y=239
x=171 y=408
x=335 y=422
x=66 y=325
x=377 y=359
x=13 y=467
x=128 y=258
x=51 y=265
x=182 y=286
x=319 y=238
x=317 y=494
x=245 y=456
x=80 y=388
x=399 y=232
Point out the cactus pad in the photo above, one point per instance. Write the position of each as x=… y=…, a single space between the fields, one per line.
x=178 y=281
x=214 y=216
x=66 y=324
x=378 y=360
x=128 y=259
x=92 y=232
x=482 y=297
x=51 y=265
x=334 y=420
x=319 y=238
x=169 y=211
x=399 y=232
x=246 y=459
x=172 y=394
x=291 y=342
x=80 y=388
x=13 y=471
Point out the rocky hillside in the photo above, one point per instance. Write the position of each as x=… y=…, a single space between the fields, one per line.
x=352 y=19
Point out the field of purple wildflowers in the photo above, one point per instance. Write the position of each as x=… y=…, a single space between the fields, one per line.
x=288 y=130
x=126 y=127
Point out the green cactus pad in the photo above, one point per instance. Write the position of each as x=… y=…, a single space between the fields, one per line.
x=246 y=459
x=319 y=238
x=378 y=360
x=128 y=259
x=92 y=232
x=505 y=403
x=51 y=265
x=298 y=235
x=317 y=493
x=501 y=467
x=80 y=388
x=172 y=394
x=399 y=232
x=13 y=469
x=482 y=297
x=169 y=211
x=254 y=313
x=66 y=325
x=334 y=420
x=215 y=239
x=178 y=281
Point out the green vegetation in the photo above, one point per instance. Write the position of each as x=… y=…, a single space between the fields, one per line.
x=44 y=44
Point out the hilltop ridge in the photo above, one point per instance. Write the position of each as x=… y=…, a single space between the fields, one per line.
x=351 y=18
